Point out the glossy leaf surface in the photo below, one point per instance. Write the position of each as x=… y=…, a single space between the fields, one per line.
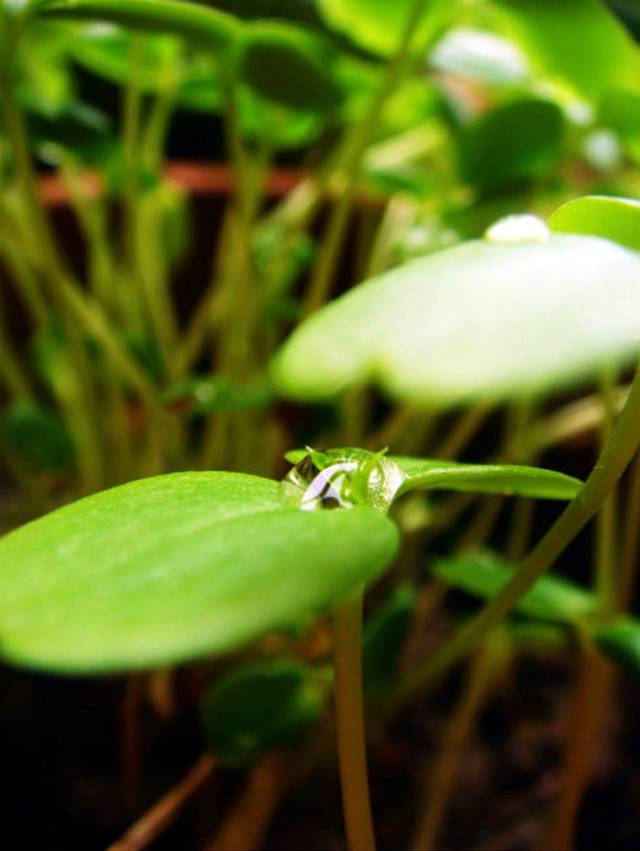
x=484 y=574
x=258 y=707
x=617 y=219
x=170 y=568
x=483 y=320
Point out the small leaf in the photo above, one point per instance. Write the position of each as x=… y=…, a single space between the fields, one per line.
x=617 y=219
x=288 y=65
x=486 y=320
x=384 y=636
x=37 y=436
x=175 y=567
x=484 y=574
x=509 y=479
x=216 y=29
x=533 y=128
x=620 y=641
x=258 y=707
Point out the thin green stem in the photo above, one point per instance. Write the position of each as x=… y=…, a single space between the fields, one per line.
x=321 y=281
x=352 y=755
x=616 y=455
x=631 y=539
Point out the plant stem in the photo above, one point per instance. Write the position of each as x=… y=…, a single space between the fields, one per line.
x=481 y=676
x=337 y=226
x=350 y=724
x=584 y=719
x=164 y=812
x=616 y=455
x=631 y=539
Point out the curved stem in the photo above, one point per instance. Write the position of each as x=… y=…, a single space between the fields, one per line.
x=616 y=455
x=352 y=755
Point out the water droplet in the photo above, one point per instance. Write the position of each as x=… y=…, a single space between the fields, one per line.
x=518 y=228
x=342 y=478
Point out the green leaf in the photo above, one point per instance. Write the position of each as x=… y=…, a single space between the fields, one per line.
x=576 y=42
x=384 y=636
x=258 y=707
x=203 y=395
x=208 y=26
x=533 y=128
x=175 y=567
x=37 y=436
x=617 y=219
x=484 y=574
x=620 y=641
x=514 y=315
x=288 y=65
x=377 y=25
x=509 y=479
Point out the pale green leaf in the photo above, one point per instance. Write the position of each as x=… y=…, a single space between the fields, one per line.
x=514 y=316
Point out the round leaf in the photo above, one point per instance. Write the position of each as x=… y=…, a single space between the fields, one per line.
x=170 y=568
x=289 y=66
x=258 y=707
x=484 y=320
x=617 y=219
x=514 y=143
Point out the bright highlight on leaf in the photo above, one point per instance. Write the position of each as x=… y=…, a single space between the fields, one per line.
x=171 y=568
x=481 y=321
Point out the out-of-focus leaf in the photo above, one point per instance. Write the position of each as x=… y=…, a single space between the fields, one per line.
x=175 y=567
x=576 y=42
x=620 y=641
x=288 y=65
x=207 y=395
x=516 y=315
x=515 y=142
x=37 y=436
x=377 y=25
x=384 y=636
x=211 y=27
x=617 y=219
x=258 y=707
x=484 y=574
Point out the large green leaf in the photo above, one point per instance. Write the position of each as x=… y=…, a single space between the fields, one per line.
x=509 y=479
x=576 y=42
x=484 y=320
x=170 y=568
x=484 y=574
x=208 y=26
x=617 y=219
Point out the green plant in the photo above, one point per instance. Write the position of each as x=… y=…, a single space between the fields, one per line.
x=158 y=567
